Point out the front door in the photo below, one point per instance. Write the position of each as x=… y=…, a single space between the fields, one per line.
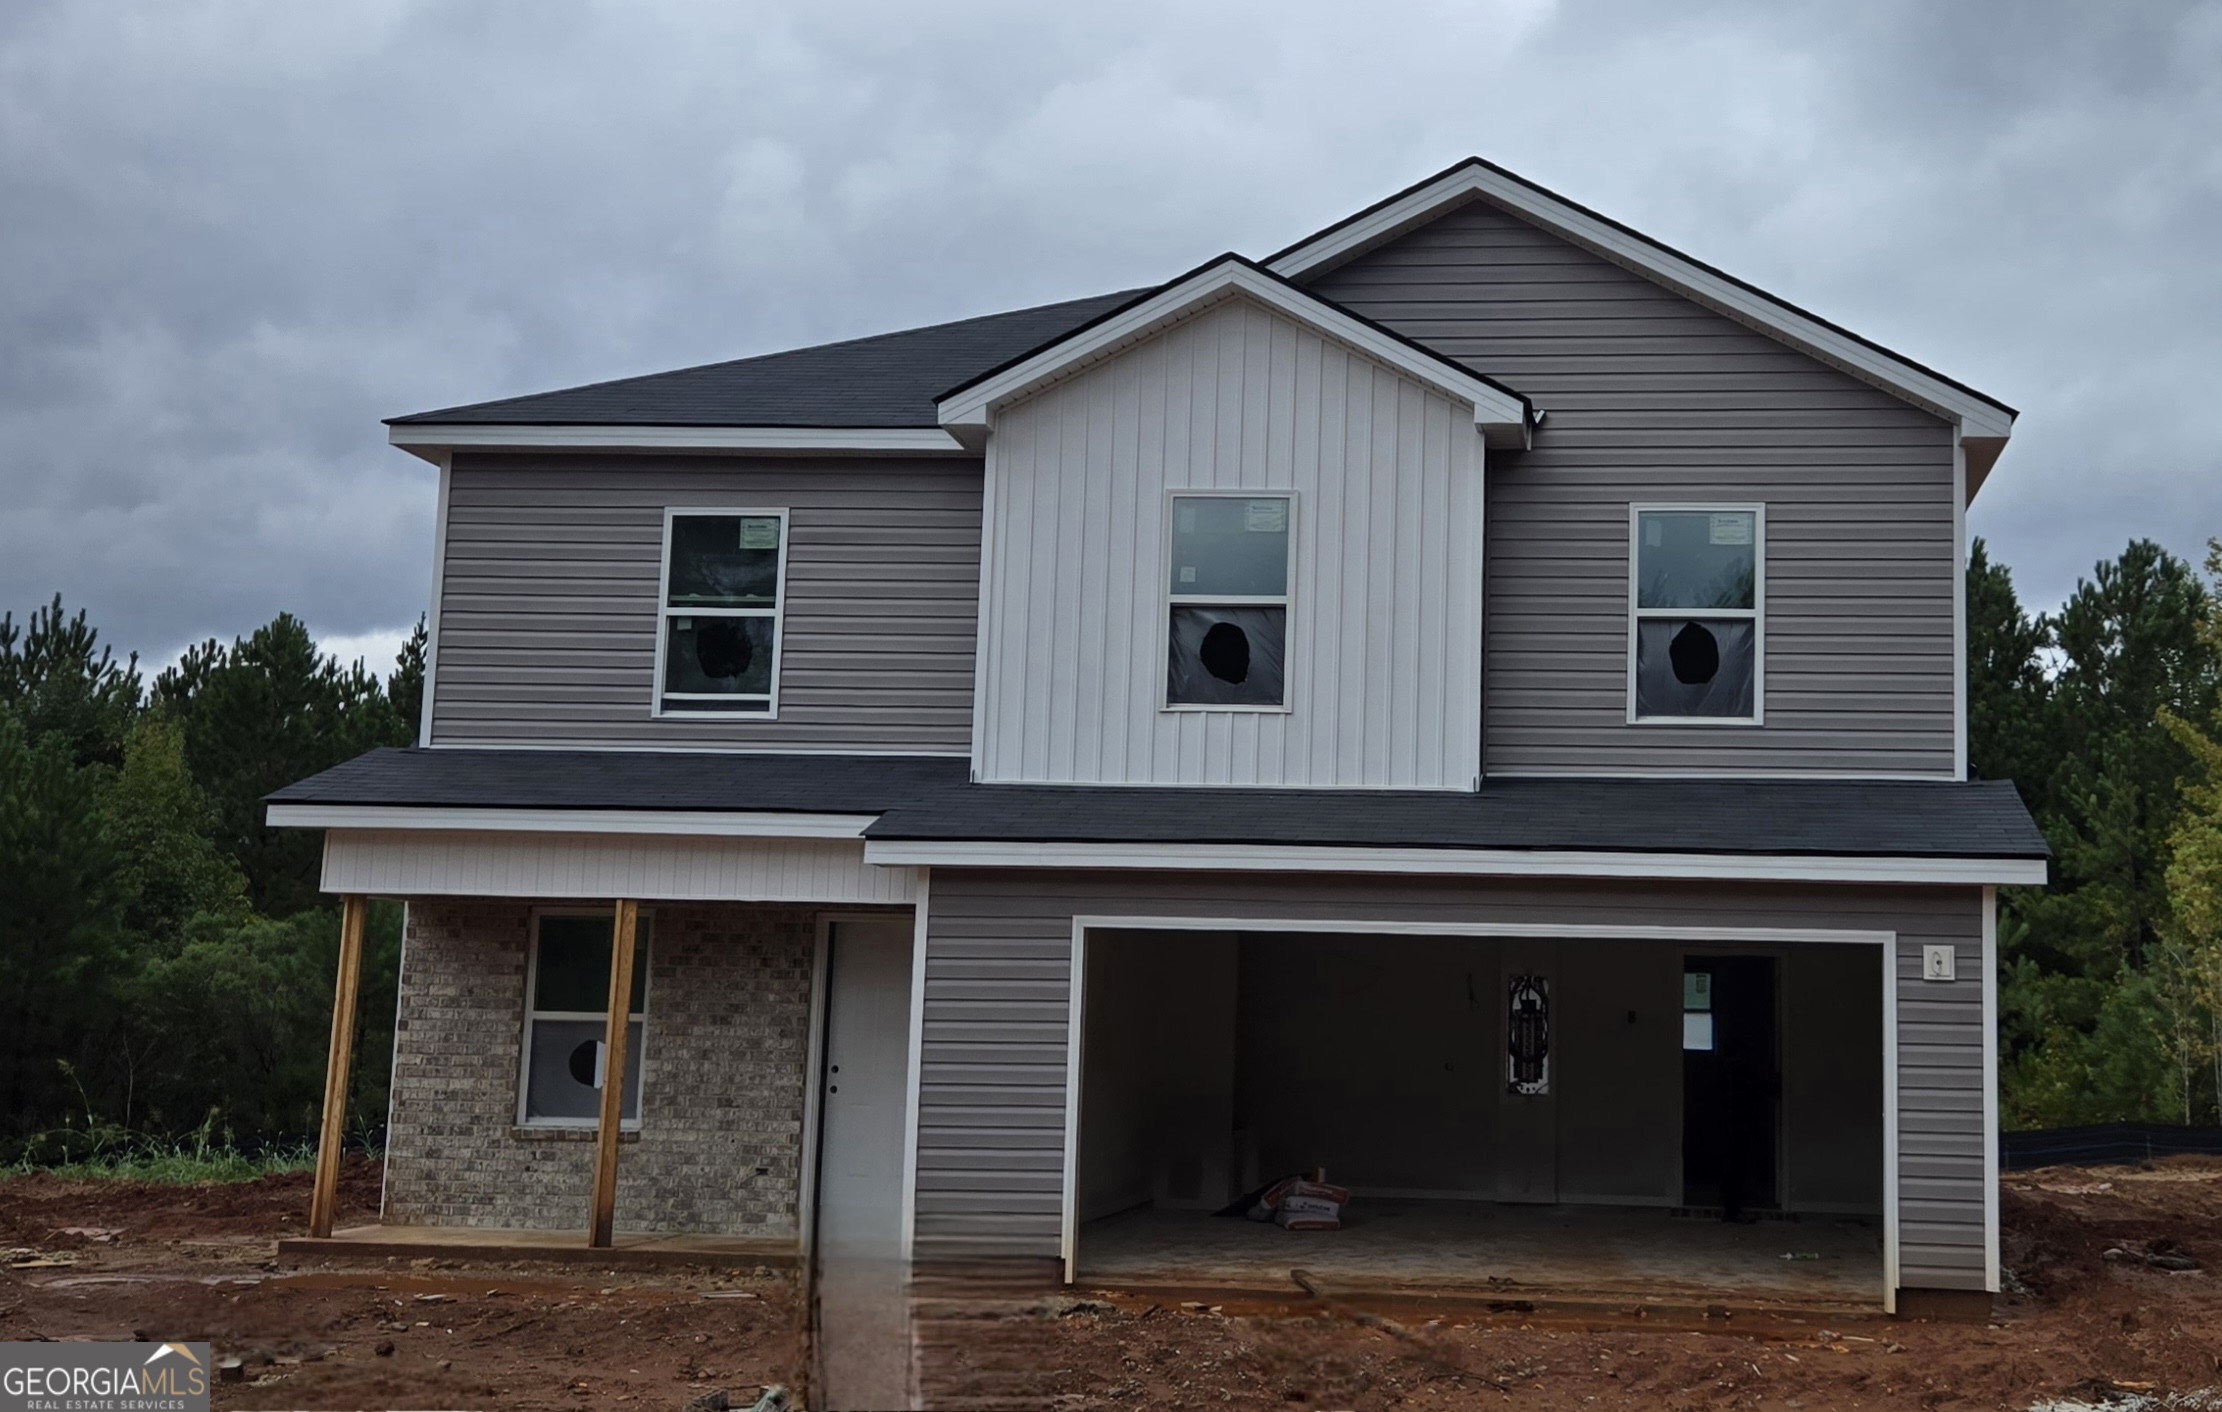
x=861 y=1308
x=1730 y=1086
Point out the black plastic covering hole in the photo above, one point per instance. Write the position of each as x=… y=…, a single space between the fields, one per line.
x=721 y=647
x=582 y=1062
x=1696 y=655
x=1225 y=653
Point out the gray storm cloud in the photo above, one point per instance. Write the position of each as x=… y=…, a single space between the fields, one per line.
x=235 y=235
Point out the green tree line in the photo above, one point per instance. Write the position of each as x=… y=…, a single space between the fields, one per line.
x=2104 y=714
x=166 y=959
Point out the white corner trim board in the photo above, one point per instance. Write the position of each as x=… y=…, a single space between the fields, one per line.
x=429 y=439
x=693 y=823
x=1500 y=415
x=1467 y=862
x=1977 y=416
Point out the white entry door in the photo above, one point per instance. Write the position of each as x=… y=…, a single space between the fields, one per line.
x=862 y=1311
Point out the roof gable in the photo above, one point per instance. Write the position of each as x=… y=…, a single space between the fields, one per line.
x=1503 y=416
x=1984 y=421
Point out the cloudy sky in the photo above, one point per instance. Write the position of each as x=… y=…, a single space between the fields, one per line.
x=234 y=234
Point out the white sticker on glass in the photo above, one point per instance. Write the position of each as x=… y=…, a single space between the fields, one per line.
x=1653 y=532
x=1266 y=517
x=1188 y=573
x=759 y=532
x=1731 y=529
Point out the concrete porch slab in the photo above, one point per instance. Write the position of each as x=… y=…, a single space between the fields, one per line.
x=472 y=1243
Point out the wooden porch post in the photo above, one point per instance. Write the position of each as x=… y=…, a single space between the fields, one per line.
x=622 y=931
x=339 y=1063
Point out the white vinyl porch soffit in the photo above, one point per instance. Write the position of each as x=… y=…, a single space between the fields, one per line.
x=1503 y=417
x=1456 y=862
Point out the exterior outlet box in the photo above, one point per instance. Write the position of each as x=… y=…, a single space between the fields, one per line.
x=1937 y=964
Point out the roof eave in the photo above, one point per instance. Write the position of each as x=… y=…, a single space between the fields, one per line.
x=434 y=441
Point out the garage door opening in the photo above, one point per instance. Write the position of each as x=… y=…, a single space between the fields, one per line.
x=1577 y=1116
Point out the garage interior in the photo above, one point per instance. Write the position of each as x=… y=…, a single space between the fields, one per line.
x=1669 y=1086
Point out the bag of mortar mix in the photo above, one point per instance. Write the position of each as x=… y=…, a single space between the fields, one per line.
x=1301 y=1204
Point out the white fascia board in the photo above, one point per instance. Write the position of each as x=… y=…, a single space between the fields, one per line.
x=433 y=437
x=1975 y=416
x=685 y=822
x=1501 y=416
x=1460 y=862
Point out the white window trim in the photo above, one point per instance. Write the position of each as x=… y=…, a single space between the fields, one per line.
x=532 y=1016
x=1756 y=613
x=664 y=612
x=1169 y=600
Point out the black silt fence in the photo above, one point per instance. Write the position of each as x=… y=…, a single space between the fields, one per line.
x=2104 y=1143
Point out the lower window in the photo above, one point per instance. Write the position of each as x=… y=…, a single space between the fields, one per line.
x=567 y=1010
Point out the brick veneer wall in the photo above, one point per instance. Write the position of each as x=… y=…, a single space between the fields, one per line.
x=728 y=1025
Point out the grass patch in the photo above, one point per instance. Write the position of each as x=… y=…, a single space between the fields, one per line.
x=177 y=1165
x=166 y=1162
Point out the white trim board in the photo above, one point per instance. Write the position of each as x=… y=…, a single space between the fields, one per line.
x=433 y=440
x=920 y=921
x=1990 y=1089
x=1501 y=416
x=1474 y=179
x=1886 y=943
x=694 y=823
x=1461 y=862
x=650 y=747
x=432 y=608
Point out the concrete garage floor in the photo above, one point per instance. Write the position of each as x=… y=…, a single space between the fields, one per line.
x=1561 y=1253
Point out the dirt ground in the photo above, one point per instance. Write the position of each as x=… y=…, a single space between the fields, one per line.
x=2101 y=1311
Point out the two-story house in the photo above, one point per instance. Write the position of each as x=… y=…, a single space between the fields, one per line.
x=1472 y=702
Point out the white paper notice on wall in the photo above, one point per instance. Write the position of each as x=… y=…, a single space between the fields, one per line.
x=1938 y=964
x=1265 y=516
x=1731 y=529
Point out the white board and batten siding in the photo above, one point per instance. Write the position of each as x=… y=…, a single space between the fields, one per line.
x=992 y=1122
x=442 y=863
x=1384 y=665
x=1652 y=398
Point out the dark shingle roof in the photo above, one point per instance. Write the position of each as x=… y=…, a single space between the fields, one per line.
x=1838 y=818
x=889 y=380
x=930 y=798
x=623 y=779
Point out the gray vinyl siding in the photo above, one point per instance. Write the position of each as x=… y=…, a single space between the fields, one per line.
x=998 y=962
x=1650 y=396
x=548 y=601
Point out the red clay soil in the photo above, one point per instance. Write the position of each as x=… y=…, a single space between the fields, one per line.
x=118 y=1260
x=113 y=1261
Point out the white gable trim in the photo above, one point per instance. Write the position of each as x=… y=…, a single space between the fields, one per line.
x=1976 y=416
x=1502 y=417
x=431 y=439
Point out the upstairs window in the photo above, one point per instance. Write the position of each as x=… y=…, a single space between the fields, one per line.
x=1696 y=604
x=567 y=990
x=1227 y=603
x=725 y=578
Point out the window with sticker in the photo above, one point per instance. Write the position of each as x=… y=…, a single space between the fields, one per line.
x=1226 y=624
x=725 y=577
x=1697 y=625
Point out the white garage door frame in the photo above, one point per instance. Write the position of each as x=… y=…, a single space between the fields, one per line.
x=1885 y=942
